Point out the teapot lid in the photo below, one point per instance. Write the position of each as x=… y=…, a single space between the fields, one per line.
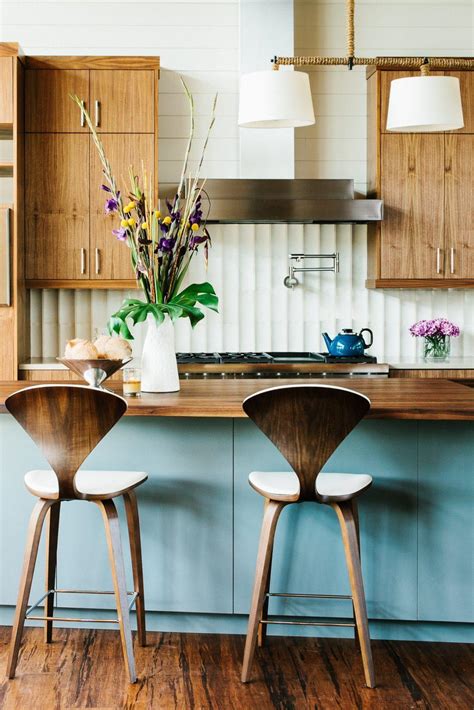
x=347 y=331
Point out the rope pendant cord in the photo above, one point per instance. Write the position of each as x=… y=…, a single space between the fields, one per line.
x=350 y=5
x=421 y=63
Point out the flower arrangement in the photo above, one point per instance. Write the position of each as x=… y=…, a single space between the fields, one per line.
x=437 y=333
x=162 y=246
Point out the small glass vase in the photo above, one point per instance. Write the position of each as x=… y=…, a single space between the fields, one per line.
x=436 y=347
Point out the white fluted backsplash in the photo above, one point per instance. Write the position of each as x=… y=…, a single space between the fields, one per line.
x=247 y=265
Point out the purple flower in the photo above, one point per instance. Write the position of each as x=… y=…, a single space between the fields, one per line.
x=105 y=188
x=195 y=241
x=166 y=245
x=121 y=234
x=434 y=327
x=111 y=205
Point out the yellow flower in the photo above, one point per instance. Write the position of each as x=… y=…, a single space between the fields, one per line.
x=157 y=214
x=128 y=208
x=131 y=222
x=167 y=220
x=124 y=223
x=195 y=227
x=144 y=225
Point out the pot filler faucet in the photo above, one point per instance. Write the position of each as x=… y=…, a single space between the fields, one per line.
x=295 y=266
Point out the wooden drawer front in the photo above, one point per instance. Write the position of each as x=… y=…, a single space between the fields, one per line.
x=440 y=374
x=6 y=91
x=126 y=101
x=49 y=107
x=57 y=206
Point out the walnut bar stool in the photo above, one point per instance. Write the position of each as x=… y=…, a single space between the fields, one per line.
x=307 y=423
x=67 y=422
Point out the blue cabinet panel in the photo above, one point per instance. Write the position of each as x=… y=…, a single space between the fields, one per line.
x=309 y=555
x=446 y=521
x=185 y=514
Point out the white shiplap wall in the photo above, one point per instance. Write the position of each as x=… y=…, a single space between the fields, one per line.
x=247 y=265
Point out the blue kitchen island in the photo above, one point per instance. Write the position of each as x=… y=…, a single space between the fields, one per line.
x=200 y=519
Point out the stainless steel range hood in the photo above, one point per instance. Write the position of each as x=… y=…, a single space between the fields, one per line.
x=287 y=201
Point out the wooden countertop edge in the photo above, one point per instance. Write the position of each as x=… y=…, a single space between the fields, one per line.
x=402 y=399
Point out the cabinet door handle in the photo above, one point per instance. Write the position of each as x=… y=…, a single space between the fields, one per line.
x=438 y=260
x=83 y=261
x=83 y=116
x=452 y=260
x=97 y=114
x=97 y=261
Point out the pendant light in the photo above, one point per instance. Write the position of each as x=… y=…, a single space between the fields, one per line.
x=417 y=104
x=422 y=104
x=275 y=99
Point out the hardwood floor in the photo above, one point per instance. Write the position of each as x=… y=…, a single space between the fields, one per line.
x=84 y=669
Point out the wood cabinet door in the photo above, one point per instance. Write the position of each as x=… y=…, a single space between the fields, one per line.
x=459 y=205
x=110 y=258
x=57 y=206
x=412 y=232
x=466 y=79
x=6 y=91
x=123 y=101
x=50 y=108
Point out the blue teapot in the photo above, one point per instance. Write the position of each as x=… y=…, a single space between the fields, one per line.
x=347 y=343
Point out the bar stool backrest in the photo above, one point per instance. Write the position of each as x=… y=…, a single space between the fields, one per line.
x=306 y=423
x=66 y=422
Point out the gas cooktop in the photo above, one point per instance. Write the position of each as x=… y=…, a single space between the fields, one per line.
x=268 y=358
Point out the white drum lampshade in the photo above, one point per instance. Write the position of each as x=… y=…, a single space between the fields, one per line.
x=421 y=104
x=275 y=99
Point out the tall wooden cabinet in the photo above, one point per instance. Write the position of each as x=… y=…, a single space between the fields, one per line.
x=69 y=240
x=14 y=342
x=426 y=180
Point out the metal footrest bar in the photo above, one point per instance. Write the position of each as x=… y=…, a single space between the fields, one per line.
x=309 y=596
x=31 y=608
x=309 y=622
x=73 y=620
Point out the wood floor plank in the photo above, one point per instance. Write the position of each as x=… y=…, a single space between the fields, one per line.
x=84 y=669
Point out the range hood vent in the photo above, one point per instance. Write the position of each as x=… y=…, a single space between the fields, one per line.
x=250 y=201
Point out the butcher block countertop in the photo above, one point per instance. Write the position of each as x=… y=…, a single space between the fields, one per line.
x=412 y=399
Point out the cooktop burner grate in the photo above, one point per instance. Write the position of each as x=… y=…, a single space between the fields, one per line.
x=263 y=358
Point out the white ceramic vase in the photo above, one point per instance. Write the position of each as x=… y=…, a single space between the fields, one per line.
x=159 y=366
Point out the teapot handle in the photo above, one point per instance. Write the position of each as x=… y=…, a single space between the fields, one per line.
x=367 y=330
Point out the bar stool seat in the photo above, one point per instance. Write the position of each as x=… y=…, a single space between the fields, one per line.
x=89 y=484
x=285 y=486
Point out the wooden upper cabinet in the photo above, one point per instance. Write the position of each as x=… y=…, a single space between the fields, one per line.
x=123 y=101
x=57 y=206
x=6 y=91
x=459 y=206
x=49 y=107
x=412 y=185
x=110 y=258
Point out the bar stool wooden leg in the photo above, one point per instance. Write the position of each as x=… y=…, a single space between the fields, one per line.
x=31 y=550
x=51 y=562
x=349 y=537
x=112 y=531
x=267 y=535
x=263 y=628
x=355 y=513
x=133 y=521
